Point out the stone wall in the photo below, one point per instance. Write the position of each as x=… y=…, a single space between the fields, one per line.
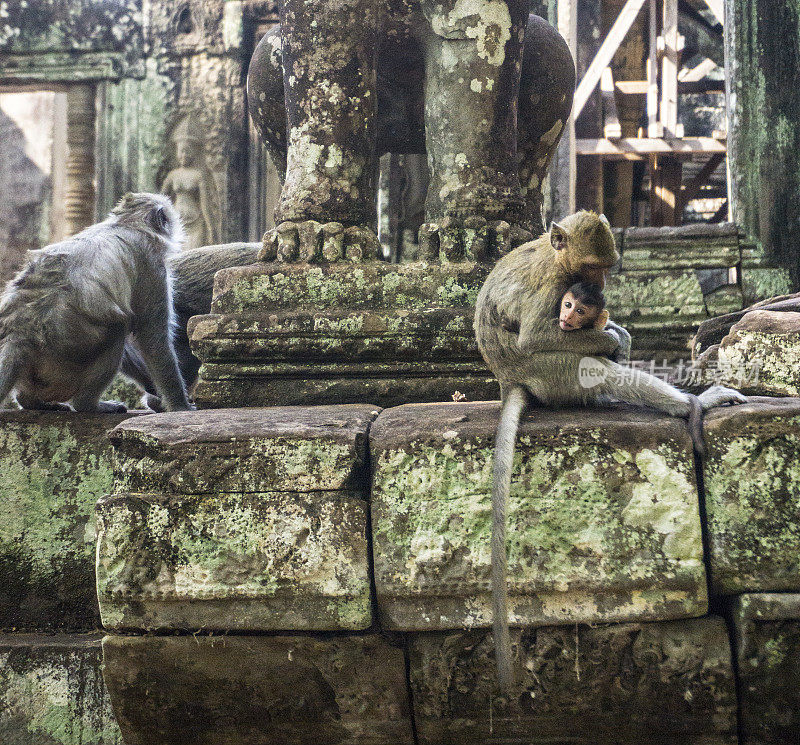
x=326 y=571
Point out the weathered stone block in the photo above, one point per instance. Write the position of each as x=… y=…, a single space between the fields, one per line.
x=668 y=683
x=683 y=247
x=252 y=519
x=767 y=634
x=770 y=341
x=603 y=517
x=52 y=691
x=752 y=487
x=258 y=690
x=292 y=334
x=53 y=468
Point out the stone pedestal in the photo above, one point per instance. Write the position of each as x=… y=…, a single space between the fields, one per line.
x=752 y=485
x=603 y=519
x=293 y=334
x=767 y=636
x=255 y=520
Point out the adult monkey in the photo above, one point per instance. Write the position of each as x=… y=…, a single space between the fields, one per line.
x=541 y=361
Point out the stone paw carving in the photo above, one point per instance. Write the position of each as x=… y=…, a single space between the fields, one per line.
x=314 y=241
x=473 y=239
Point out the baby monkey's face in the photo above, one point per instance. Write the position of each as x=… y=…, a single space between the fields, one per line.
x=575 y=314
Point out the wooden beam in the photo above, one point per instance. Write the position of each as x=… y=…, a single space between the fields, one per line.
x=653 y=125
x=665 y=186
x=568 y=28
x=721 y=215
x=638 y=148
x=669 y=69
x=639 y=87
x=718 y=9
x=698 y=72
x=692 y=188
x=605 y=54
x=612 y=129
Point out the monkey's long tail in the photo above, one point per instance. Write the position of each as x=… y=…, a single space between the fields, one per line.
x=505 y=441
x=695 y=425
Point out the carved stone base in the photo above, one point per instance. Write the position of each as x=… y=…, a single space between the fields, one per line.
x=292 y=334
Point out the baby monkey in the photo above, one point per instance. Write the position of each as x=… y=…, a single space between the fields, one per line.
x=583 y=306
x=64 y=319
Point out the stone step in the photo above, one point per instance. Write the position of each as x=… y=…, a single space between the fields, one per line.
x=603 y=525
x=752 y=492
x=767 y=642
x=257 y=690
x=52 y=691
x=54 y=466
x=251 y=519
x=627 y=684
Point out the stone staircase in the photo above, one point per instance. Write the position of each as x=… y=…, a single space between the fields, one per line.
x=321 y=575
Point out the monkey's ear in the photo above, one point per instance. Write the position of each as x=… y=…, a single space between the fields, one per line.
x=558 y=236
x=159 y=219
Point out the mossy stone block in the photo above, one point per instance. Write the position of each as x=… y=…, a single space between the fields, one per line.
x=767 y=633
x=603 y=518
x=752 y=486
x=257 y=690
x=238 y=520
x=52 y=691
x=53 y=468
x=666 y=683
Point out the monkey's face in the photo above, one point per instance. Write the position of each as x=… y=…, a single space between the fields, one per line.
x=575 y=314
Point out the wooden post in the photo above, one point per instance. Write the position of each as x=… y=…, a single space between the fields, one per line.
x=653 y=125
x=567 y=164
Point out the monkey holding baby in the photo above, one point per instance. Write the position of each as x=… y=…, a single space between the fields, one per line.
x=64 y=319
x=535 y=355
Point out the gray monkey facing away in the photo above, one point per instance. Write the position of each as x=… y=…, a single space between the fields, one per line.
x=65 y=317
x=192 y=287
x=542 y=362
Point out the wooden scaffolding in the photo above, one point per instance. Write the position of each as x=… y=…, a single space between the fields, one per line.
x=659 y=140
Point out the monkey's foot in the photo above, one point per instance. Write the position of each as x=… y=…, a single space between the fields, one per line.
x=111 y=407
x=152 y=402
x=313 y=241
x=473 y=239
x=30 y=404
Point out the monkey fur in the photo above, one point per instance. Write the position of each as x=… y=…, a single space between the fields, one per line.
x=541 y=362
x=65 y=317
x=192 y=284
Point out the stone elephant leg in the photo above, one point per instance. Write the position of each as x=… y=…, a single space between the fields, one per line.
x=473 y=55
x=329 y=63
x=546 y=88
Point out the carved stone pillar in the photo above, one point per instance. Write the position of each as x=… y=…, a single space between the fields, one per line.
x=79 y=193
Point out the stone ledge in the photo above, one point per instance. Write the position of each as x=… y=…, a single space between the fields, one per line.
x=54 y=466
x=286 y=449
x=628 y=684
x=604 y=520
x=52 y=691
x=254 y=690
x=752 y=489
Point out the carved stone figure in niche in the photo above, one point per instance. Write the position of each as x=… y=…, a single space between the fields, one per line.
x=362 y=79
x=192 y=188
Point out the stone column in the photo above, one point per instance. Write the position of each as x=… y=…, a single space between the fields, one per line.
x=762 y=63
x=79 y=192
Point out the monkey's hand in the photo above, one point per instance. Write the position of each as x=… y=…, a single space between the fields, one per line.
x=602 y=320
x=718 y=395
x=548 y=337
